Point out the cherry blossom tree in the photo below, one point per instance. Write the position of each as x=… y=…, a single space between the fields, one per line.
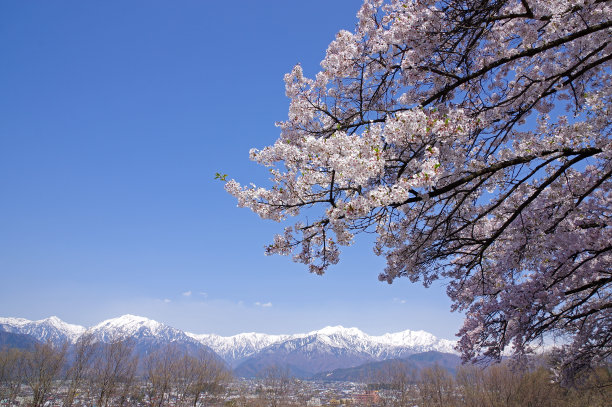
x=473 y=137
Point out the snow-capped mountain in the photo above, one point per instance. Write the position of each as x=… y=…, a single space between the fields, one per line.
x=147 y=335
x=329 y=348
x=50 y=329
x=386 y=346
x=335 y=347
x=396 y=344
x=135 y=327
x=126 y=326
x=236 y=348
x=338 y=347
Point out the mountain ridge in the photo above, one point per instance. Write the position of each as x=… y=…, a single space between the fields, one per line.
x=389 y=345
x=328 y=348
x=49 y=329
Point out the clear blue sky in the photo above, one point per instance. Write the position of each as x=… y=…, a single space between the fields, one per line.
x=114 y=118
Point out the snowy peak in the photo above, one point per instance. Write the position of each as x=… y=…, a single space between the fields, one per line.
x=49 y=329
x=129 y=323
x=412 y=337
x=236 y=348
x=420 y=341
x=132 y=326
x=14 y=322
x=70 y=329
x=329 y=347
x=331 y=340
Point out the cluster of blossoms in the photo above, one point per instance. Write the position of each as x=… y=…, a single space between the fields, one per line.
x=418 y=128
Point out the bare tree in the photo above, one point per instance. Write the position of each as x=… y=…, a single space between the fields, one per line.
x=42 y=367
x=470 y=385
x=436 y=387
x=206 y=374
x=400 y=378
x=594 y=389
x=81 y=366
x=184 y=379
x=11 y=373
x=114 y=367
x=501 y=384
x=277 y=383
x=128 y=382
x=190 y=378
x=160 y=369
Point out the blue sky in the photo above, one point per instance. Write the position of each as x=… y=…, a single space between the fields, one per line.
x=114 y=118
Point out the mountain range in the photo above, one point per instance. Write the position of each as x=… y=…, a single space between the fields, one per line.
x=305 y=355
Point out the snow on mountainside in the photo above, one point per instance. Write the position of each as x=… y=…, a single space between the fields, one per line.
x=338 y=347
x=236 y=348
x=50 y=329
x=390 y=345
x=131 y=326
x=148 y=335
x=329 y=341
x=330 y=347
x=402 y=344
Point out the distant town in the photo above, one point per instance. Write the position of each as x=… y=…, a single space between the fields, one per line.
x=113 y=377
x=136 y=362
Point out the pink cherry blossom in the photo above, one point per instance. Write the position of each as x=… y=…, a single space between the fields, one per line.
x=474 y=139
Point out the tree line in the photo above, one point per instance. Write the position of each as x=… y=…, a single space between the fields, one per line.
x=108 y=374
x=498 y=385
x=112 y=374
